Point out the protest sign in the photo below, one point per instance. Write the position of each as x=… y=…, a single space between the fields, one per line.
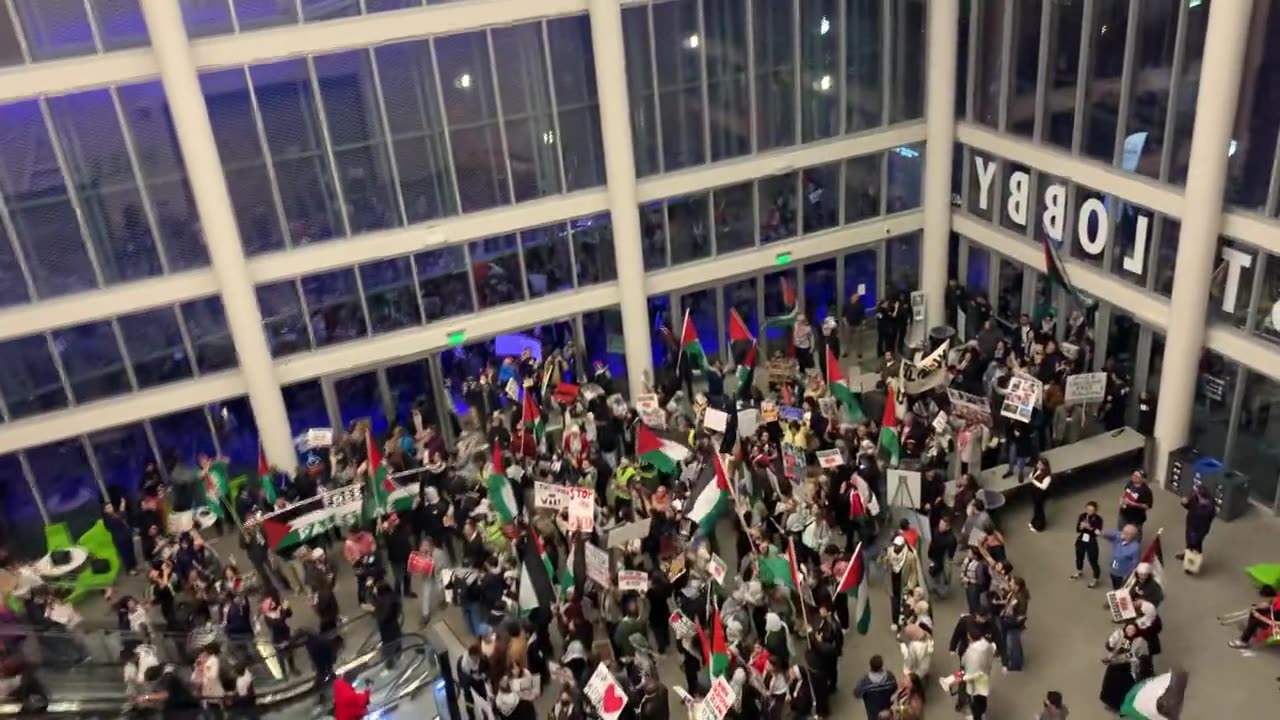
x=302 y=521
x=1086 y=388
x=782 y=370
x=793 y=463
x=720 y=698
x=597 y=565
x=624 y=534
x=549 y=496
x=319 y=437
x=940 y=422
x=682 y=625
x=716 y=420
x=768 y=411
x=636 y=580
x=830 y=458
x=1022 y=398
x=582 y=509
x=717 y=569
x=748 y=421
x=791 y=413
x=605 y=693
x=970 y=408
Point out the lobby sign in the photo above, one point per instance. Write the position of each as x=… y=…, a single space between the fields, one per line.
x=1093 y=231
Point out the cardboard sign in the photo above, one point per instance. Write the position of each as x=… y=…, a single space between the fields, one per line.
x=720 y=698
x=624 y=534
x=513 y=390
x=716 y=420
x=637 y=580
x=1086 y=387
x=656 y=419
x=717 y=569
x=597 y=565
x=605 y=693
x=582 y=509
x=548 y=496
x=832 y=458
x=748 y=422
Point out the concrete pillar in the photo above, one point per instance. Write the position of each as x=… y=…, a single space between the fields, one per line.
x=620 y=167
x=940 y=136
x=218 y=222
x=1220 y=69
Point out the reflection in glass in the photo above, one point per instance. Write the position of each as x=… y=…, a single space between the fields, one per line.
x=120 y=23
x=574 y=82
x=237 y=434
x=1257 y=121
x=207 y=327
x=775 y=73
x=153 y=341
x=410 y=385
x=644 y=103
x=183 y=436
x=1215 y=389
x=602 y=331
x=690 y=228
x=593 y=256
x=665 y=326
x=1025 y=72
x=653 y=235
x=821 y=197
x=29 y=380
x=20 y=519
x=985 y=36
x=333 y=300
x=678 y=56
x=741 y=296
x=1267 y=314
x=91 y=358
x=13 y=288
x=978 y=271
x=313 y=10
x=55 y=28
x=864 y=100
x=253 y=14
x=466 y=78
x=819 y=69
x=528 y=116
x=1255 y=452
x=1156 y=35
x=729 y=113
x=444 y=281
x=909 y=44
x=734 y=215
x=905 y=173
x=1196 y=20
x=1102 y=99
x=495 y=265
x=304 y=403
x=860 y=277
x=360 y=398
x=701 y=306
x=820 y=299
x=1009 y=291
x=391 y=296
x=548 y=267
x=777 y=202
x=781 y=294
x=861 y=188
x=902 y=263
x=66 y=480
x=282 y=318
x=123 y=454
x=1063 y=71
x=206 y=18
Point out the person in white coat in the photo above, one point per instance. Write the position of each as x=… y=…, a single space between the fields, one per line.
x=975 y=666
x=432 y=594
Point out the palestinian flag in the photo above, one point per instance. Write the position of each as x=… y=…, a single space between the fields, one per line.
x=788 y=318
x=738 y=331
x=715 y=650
x=793 y=567
x=746 y=370
x=502 y=497
x=664 y=455
x=889 y=428
x=536 y=590
x=217 y=485
x=775 y=571
x=266 y=477
x=387 y=495
x=1057 y=272
x=711 y=498
x=1153 y=555
x=532 y=418
x=573 y=576
x=690 y=344
x=301 y=521
x=1157 y=698
x=853 y=582
x=840 y=389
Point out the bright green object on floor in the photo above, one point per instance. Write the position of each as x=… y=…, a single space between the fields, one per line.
x=97 y=541
x=57 y=537
x=1265 y=575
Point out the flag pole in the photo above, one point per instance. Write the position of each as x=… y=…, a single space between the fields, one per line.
x=680 y=344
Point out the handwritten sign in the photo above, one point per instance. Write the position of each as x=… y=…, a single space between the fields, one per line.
x=1086 y=388
x=597 y=565
x=635 y=580
x=605 y=693
x=830 y=458
x=548 y=496
x=940 y=422
x=720 y=698
x=582 y=509
x=970 y=408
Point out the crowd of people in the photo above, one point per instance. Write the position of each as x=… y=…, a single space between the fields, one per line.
x=734 y=522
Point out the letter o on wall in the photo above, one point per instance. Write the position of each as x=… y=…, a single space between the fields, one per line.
x=1092 y=242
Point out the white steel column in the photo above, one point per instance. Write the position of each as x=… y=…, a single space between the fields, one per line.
x=1201 y=221
x=940 y=136
x=218 y=222
x=624 y=205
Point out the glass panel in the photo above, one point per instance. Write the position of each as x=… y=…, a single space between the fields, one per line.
x=313 y=10
x=155 y=347
x=864 y=97
x=983 y=203
x=780 y=296
x=66 y=480
x=678 y=53
x=235 y=130
x=237 y=434
x=411 y=389
x=906 y=175
x=28 y=378
x=701 y=306
x=689 y=226
x=13 y=288
x=1153 y=57
x=644 y=104
x=979 y=270
x=902 y=261
x=359 y=148
x=1009 y=287
x=155 y=140
x=1212 y=412
x=1188 y=81
x=1013 y=173
x=819 y=69
x=376 y=6
x=574 y=80
x=1257 y=120
x=653 y=235
x=120 y=24
x=20 y=521
x=334 y=303
x=304 y=403
x=734 y=217
x=391 y=295
x=1091 y=225
x=203 y=17
x=282 y=318
x=821 y=198
x=777 y=201
x=104 y=181
x=1166 y=255
x=1235 y=265
x=207 y=327
x=444 y=281
x=986 y=84
x=91 y=359
x=467 y=80
x=820 y=301
x=1267 y=322
x=1256 y=452
x=183 y=436
x=664 y=325
x=775 y=73
x=495 y=264
x=861 y=188
x=528 y=115
x=254 y=14
x=407 y=73
x=860 y=277
x=1128 y=249
x=730 y=112
x=1026 y=66
x=1066 y=21
x=741 y=295
x=291 y=122
x=55 y=28
x=909 y=62
x=1102 y=100
x=593 y=256
x=36 y=196
x=548 y=267
x=10 y=49
x=605 y=342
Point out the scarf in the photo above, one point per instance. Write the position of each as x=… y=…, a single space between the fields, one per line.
x=898 y=560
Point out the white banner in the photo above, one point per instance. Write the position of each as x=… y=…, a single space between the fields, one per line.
x=1086 y=387
x=637 y=580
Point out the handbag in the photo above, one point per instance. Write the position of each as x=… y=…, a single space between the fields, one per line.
x=420 y=564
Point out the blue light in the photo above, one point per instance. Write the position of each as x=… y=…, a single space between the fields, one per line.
x=907 y=152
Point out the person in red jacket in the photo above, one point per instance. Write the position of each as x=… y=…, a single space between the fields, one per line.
x=348 y=702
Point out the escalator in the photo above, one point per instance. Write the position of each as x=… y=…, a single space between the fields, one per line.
x=96 y=690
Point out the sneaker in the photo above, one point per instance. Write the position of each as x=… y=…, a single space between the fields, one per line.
x=1093 y=583
x=893 y=627
x=1238 y=645
x=1032 y=528
x=1075 y=575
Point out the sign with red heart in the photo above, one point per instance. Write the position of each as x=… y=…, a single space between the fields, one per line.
x=605 y=693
